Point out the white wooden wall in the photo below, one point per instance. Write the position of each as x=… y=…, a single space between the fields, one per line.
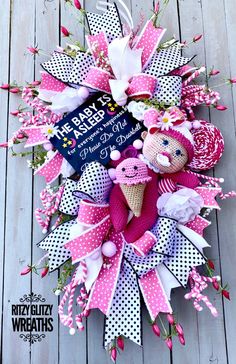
x=208 y=340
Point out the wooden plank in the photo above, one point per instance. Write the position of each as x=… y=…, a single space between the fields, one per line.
x=71 y=348
x=218 y=48
x=227 y=246
x=19 y=190
x=47 y=36
x=4 y=99
x=203 y=332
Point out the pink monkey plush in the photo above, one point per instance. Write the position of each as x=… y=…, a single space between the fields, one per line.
x=164 y=154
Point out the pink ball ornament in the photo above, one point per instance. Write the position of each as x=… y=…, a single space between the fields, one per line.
x=115 y=155
x=196 y=124
x=138 y=144
x=48 y=146
x=109 y=249
x=112 y=173
x=83 y=92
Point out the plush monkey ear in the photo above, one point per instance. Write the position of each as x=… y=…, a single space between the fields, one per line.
x=144 y=134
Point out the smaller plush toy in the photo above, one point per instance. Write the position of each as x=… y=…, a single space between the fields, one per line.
x=132 y=192
x=132 y=176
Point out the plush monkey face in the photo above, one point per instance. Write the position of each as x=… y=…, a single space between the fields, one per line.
x=164 y=152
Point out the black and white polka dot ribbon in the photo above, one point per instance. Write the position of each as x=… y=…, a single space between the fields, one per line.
x=158 y=66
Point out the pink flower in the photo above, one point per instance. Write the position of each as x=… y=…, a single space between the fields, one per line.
x=77 y=4
x=65 y=31
x=14 y=113
x=26 y=270
x=20 y=136
x=170 y=318
x=168 y=342
x=179 y=329
x=113 y=354
x=225 y=294
x=15 y=90
x=4 y=145
x=221 y=107
x=33 y=50
x=211 y=264
x=214 y=72
x=156 y=330
x=120 y=343
x=44 y=272
x=232 y=80
x=5 y=86
x=181 y=339
x=216 y=285
x=197 y=38
x=157 y=6
x=35 y=83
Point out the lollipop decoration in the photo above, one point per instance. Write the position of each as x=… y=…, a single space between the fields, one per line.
x=133 y=226
x=209 y=146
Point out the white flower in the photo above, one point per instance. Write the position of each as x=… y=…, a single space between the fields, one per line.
x=50 y=131
x=137 y=109
x=183 y=205
x=29 y=163
x=165 y=121
x=66 y=101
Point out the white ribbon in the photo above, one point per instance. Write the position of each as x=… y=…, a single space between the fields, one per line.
x=125 y=63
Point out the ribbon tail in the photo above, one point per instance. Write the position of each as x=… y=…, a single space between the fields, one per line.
x=59 y=66
x=125 y=314
x=35 y=136
x=51 y=169
x=154 y=294
x=53 y=243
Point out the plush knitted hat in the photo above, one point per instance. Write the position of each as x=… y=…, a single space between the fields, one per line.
x=180 y=133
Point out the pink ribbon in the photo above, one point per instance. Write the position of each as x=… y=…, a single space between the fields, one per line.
x=208 y=194
x=35 y=135
x=140 y=85
x=51 y=169
x=198 y=224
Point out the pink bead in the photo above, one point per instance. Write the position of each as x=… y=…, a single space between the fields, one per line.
x=112 y=173
x=115 y=155
x=83 y=92
x=109 y=249
x=196 y=124
x=48 y=146
x=138 y=144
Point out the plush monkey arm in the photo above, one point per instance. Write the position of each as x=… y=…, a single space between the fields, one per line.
x=183 y=178
x=139 y=225
x=119 y=211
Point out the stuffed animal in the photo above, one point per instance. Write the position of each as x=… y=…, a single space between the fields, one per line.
x=133 y=192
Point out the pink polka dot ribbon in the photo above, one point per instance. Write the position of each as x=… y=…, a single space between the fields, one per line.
x=35 y=135
x=149 y=40
x=198 y=224
x=209 y=194
x=154 y=295
x=98 y=45
x=51 y=169
x=98 y=79
x=92 y=214
x=143 y=245
x=91 y=239
x=50 y=83
x=142 y=85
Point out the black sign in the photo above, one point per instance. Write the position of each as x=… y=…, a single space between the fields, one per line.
x=93 y=130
